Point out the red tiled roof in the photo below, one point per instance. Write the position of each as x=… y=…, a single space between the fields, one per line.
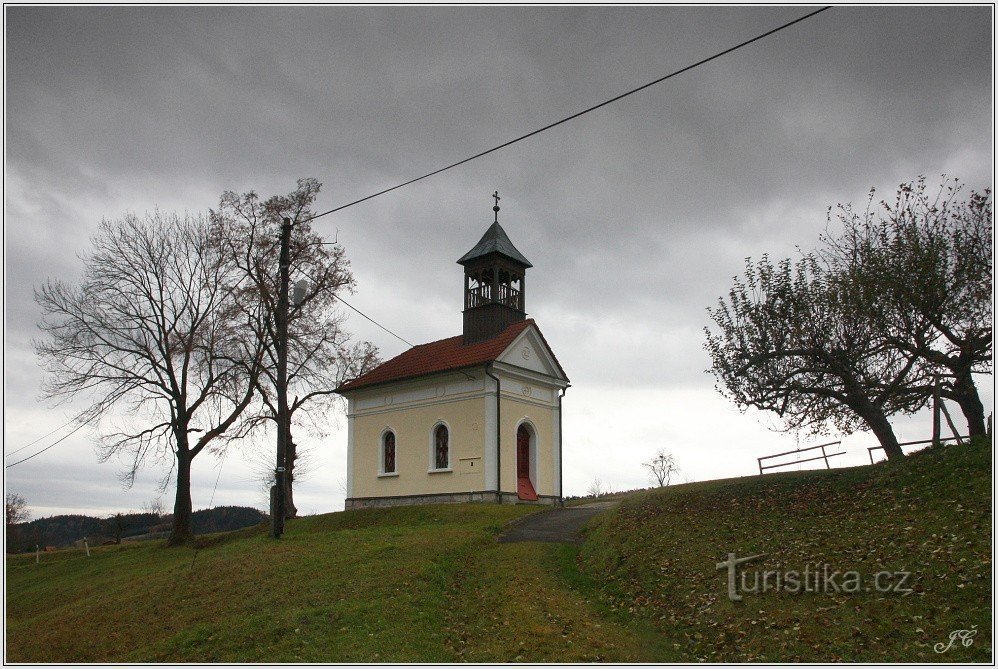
x=439 y=356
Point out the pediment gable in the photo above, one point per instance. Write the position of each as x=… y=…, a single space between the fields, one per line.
x=530 y=351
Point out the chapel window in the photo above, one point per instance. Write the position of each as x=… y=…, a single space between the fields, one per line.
x=441 y=447
x=388 y=453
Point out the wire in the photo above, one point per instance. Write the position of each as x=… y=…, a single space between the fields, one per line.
x=374 y=321
x=69 y=422
x=578 y=114
x=47 y=447
x=212 y=500
x=406 y=341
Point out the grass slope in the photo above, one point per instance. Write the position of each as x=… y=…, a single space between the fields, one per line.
x=431 y=584
x=418 y=584
x=929 y=514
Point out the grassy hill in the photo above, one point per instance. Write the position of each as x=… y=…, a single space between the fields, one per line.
x=430 y=584
x=929 y=515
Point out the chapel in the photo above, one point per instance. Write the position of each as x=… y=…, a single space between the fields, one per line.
x=471 y=418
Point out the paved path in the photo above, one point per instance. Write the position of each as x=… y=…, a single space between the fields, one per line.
x=555 y=526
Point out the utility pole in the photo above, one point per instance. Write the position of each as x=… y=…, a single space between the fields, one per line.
x=277 y=493
x=936 y=424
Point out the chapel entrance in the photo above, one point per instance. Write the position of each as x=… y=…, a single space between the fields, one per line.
x=524 y=488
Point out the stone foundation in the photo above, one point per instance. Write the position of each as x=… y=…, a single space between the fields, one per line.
x=484 y=497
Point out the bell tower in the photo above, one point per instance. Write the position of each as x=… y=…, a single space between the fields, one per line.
x=494 y=284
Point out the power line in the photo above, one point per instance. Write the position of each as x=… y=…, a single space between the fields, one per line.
x=47 y=447
x=374 y=321
x=212 y=500
x=578 y=114
x=69 y=422
x=405 y=341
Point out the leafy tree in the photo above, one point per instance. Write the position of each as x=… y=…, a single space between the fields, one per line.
x=926 y=260
x=797 y=340
x=150 y=337
x=320 y=353
x=662 y=467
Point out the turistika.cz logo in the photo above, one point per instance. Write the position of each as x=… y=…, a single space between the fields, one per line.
x=816 y=578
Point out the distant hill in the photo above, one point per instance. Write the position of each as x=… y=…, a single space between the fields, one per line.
x=225 y=519
x=62 y=531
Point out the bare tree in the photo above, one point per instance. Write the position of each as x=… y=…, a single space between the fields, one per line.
x=114 y=525
x=597 y=488
x=15 y=512
x=155 y=508
x=800 y=341
x=320 y=353
x=926 y=259
x=662 y=467
x=15 y=509
x=150 y=337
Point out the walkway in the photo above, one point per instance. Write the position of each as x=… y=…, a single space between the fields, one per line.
x=555 y=526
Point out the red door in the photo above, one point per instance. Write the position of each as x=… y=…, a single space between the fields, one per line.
x=524 y=489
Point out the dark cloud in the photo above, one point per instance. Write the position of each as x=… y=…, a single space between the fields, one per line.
x=635 y=216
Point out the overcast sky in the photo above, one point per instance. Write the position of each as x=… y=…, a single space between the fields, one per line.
x=635 y=217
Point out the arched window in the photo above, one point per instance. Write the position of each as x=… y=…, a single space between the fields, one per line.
x=388 y=453
x=441 y=447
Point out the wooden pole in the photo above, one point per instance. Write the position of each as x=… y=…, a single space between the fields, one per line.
x=949 y=421
x=38 y=555
x=87 y=546
x=936 y=425
x=824 y=455
x=283 y=428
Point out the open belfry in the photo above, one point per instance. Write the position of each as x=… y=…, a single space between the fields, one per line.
x=471 y=418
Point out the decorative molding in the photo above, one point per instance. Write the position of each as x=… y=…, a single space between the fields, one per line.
x=536 y=357
x=416 y=405
x=529 y=375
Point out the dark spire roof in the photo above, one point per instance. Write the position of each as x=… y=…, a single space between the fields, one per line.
x=495 y=240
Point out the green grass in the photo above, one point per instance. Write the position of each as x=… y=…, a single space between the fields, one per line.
x=431 y=584
x=655 y=557
x=417 y=584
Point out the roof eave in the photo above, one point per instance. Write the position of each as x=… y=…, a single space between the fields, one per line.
x=343 y=391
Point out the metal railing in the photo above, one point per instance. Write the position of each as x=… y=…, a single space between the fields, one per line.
x=824 y=456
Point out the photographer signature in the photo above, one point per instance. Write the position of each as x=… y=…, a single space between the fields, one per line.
x=965 y=637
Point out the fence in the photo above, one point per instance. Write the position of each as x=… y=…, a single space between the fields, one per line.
x=956 y=438
x=824 y=456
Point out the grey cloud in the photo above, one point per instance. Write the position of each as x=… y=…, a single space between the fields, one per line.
x=635 y=217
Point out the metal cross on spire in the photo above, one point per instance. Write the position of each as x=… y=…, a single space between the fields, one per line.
x=496 y=208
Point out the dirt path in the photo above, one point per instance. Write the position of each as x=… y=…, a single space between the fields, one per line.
x=554 y=526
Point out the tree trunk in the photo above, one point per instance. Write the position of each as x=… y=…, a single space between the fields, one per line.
x=881 y=427
x=965 y=394
x=290 y=455
x=182 y=510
